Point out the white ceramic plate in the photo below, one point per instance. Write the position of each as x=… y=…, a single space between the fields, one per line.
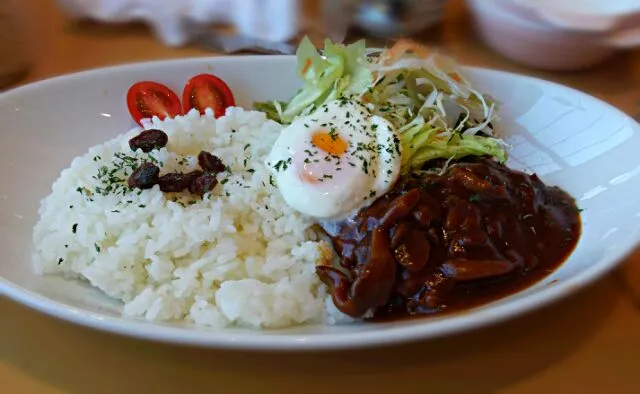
x=570 y=139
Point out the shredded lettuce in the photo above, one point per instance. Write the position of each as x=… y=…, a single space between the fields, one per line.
x=421 y=142
x=435 y=109
x=273 y=109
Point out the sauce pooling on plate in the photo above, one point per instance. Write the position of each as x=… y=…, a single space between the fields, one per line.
x=450 y=240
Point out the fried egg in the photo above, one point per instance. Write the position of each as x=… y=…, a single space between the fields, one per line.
x=336 y=160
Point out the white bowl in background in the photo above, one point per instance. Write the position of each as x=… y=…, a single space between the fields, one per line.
x=595 y=15
x=517 y=33
x=569 y=138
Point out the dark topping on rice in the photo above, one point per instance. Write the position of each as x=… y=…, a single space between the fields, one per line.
x=144 y=177
x=203 y=184
x=177 y=181
x=210 y=163
x=149 y=140
x=126 y=173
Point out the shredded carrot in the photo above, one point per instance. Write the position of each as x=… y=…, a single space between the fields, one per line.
x=307 y=64
x=403 y=46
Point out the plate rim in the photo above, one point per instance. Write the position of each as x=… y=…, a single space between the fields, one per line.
x=272 y=341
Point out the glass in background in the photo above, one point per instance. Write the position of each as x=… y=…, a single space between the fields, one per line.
x=381 y=20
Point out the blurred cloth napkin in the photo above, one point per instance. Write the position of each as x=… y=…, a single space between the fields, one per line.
x=177 y=22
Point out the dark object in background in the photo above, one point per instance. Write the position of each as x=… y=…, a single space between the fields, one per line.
x=14 y=59
x=394 y=18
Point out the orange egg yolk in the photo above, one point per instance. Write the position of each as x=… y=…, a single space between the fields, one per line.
x=330 y=143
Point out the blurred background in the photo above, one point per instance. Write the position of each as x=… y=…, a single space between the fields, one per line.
x=589 y=44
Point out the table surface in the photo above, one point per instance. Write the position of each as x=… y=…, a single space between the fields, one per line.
x=589 y=342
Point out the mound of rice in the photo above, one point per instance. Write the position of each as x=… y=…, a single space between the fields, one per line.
x=239 y=256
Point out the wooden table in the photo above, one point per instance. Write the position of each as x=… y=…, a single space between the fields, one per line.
x=589 y=343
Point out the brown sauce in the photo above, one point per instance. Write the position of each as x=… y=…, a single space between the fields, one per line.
x=443 y=242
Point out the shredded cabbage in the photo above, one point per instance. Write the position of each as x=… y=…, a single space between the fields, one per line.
x=435 y=109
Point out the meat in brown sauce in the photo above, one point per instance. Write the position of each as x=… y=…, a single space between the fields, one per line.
x=444 y=242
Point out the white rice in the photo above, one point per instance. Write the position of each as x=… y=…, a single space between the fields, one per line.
x=239 y=257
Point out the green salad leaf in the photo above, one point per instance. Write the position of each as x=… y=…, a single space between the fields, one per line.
x=435 y=109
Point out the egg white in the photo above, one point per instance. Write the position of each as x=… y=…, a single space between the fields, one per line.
x=326 y=186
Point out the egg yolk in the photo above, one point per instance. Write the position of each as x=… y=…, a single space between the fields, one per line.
x=329 y=143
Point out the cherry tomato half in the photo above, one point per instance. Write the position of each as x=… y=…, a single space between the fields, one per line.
x=207 y=91
x=146 y=99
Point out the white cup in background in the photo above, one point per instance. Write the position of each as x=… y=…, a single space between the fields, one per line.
x=271 y=20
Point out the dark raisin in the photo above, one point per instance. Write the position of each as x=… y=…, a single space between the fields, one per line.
x=177 y=181
x=210 y=163
x=144 y=177
x=149 y=140
x=202 y=184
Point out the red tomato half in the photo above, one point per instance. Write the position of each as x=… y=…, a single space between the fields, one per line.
x=146 y=99
x=207 y=91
